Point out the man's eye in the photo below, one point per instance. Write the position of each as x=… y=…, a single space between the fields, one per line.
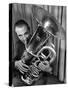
x=20 y=35
x=26 y=33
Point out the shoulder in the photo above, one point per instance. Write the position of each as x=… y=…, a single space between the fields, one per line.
x=20 y=47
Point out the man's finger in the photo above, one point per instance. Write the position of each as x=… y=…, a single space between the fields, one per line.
x=25 y=65
x=22 y=68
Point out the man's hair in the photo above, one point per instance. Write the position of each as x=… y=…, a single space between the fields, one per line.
x=21 y=23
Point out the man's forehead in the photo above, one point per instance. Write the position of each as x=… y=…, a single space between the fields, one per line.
x=22 y=29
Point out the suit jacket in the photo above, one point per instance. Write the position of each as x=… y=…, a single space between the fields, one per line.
x=19 y=52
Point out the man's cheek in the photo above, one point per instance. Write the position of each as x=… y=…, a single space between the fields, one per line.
x=20 y=38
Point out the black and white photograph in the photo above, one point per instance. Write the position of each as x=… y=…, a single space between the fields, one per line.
x=37 y=44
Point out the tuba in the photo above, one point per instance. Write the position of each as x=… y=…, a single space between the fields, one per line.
x=41 y=49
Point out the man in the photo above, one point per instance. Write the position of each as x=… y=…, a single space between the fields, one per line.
x=22 y=30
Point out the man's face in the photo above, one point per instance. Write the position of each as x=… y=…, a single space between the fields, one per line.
x=22 y=33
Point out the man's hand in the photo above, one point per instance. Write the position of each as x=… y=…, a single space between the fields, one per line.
x=21 y=66
x=44 y=66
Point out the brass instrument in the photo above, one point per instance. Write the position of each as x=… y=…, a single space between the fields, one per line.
x=42 y=50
